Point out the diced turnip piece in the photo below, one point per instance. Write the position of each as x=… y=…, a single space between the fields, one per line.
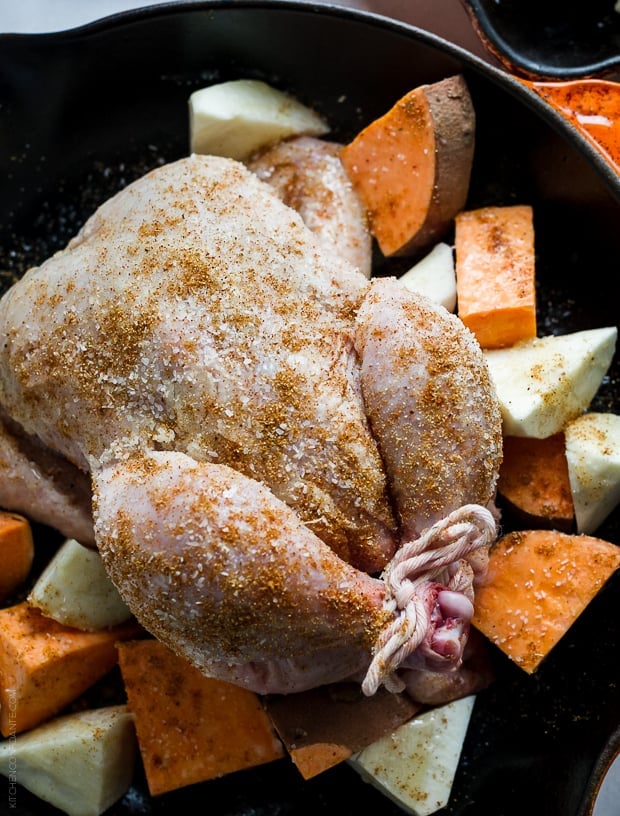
x=544 y=383
x=80 y=763
x=236 y=118
x=434 y=276
x=74 y=589
x=415 y=765
x=593 y=456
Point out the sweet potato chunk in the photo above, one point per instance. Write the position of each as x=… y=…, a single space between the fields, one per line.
x=495 y=287
x=411 y=167
x=534 y=481
x=537 y=585
x=191 y=728
x=45 y=665
x=16 y=552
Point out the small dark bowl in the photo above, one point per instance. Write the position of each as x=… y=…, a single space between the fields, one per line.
x=550 y=40
x=83 y=112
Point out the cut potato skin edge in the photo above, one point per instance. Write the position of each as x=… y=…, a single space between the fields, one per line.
x=412 y=166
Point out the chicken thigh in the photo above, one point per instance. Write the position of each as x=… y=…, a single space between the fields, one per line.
x=222 y=380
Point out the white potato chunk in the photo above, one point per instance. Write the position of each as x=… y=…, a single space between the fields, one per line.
x=236 y=118
x=415 y=765
x=74 y=589
x=545 y=382
x=593 y=456
x=434 y=276
x=80 y=763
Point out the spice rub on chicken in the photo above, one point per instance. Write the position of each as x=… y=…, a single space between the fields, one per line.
x=265 y=431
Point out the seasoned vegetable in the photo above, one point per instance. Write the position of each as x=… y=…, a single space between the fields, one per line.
x=593 y=455
x=534 y=483
x=495 y=267
x=16 y=552
x=190 y=727
x=537 y=585
x=434 y=276
x=74 y=589
x=412 y=166
x=545 y=382
x=415 y=766
x=80 y=763
x=238 y=117
x=45 y=665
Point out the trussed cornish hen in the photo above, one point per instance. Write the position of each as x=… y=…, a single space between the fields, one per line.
x=209 y=365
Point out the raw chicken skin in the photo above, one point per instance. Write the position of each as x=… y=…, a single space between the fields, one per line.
x=207 y=555
x=218 y=374
x=44 y=486
x=307 y=174
x=179 y=319
x=423 y=404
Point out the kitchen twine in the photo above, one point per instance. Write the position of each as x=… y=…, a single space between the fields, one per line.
x=424 y=559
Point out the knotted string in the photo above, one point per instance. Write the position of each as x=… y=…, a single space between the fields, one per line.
x=436 y=556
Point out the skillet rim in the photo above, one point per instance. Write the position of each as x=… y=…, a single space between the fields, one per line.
x=499 y=76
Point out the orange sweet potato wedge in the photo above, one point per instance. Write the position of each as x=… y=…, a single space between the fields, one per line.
x=44 y=666
x=534 y=483
x=312 y=760
x=537 y=585
x=496 y=296
x=16 y=552
x=411 y=167
x=191 y=728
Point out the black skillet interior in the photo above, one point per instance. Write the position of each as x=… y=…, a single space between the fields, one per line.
x=84 y=112
x=552 y=39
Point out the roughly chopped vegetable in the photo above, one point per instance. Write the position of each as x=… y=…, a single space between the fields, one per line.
x=16 y=552
x=45 y=665
x=311 y=760
x=434 y=276
x=190 y=727
x=236 y=118
x=415 y=766
x=537 y=585
x=495 y=268
x=593 y=454
x=544 y=383
x=411 y=167
x=80 y=763
x=74 y=589
x=534 y=483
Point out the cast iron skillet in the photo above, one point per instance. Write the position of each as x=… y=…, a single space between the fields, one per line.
x=85 y=111
x=553 y=39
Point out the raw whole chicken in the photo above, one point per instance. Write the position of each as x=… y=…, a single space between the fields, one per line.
x=292 y=468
